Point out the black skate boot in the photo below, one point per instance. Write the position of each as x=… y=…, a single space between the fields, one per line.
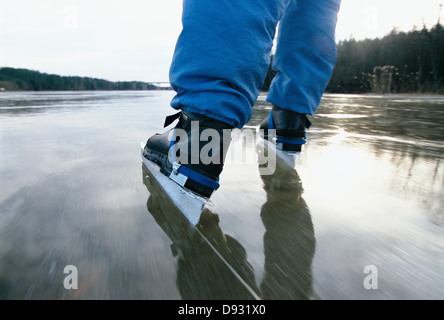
x=289 y=128
x=193 y=153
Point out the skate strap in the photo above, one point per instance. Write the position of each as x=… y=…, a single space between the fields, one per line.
x=270 y=121
x=193 y=175
x=290 y=141
x=170 y=119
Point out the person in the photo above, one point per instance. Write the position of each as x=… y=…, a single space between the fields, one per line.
x=219 y=66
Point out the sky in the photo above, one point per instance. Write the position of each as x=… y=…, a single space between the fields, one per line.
x=134 y=39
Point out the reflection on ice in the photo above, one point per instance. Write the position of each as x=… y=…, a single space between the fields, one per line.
x=342 y=116
x=72 y=193
x=374 y=179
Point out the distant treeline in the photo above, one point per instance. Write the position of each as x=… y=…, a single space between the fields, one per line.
x=23 y=79
x=401 y=62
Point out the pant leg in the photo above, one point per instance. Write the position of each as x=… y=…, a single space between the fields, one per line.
x=222 y=56
x=305 y=54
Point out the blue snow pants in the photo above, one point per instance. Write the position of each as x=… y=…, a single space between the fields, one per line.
x=223 y=53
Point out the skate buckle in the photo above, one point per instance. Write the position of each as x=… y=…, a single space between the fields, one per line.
x=178 y=177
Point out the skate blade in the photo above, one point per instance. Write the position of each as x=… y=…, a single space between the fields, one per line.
x=289 y=157
x=190 y=204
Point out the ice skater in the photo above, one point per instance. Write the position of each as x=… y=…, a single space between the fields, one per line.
x=218 y=69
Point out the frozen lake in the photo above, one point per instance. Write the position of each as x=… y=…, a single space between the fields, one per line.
x=361 y=217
